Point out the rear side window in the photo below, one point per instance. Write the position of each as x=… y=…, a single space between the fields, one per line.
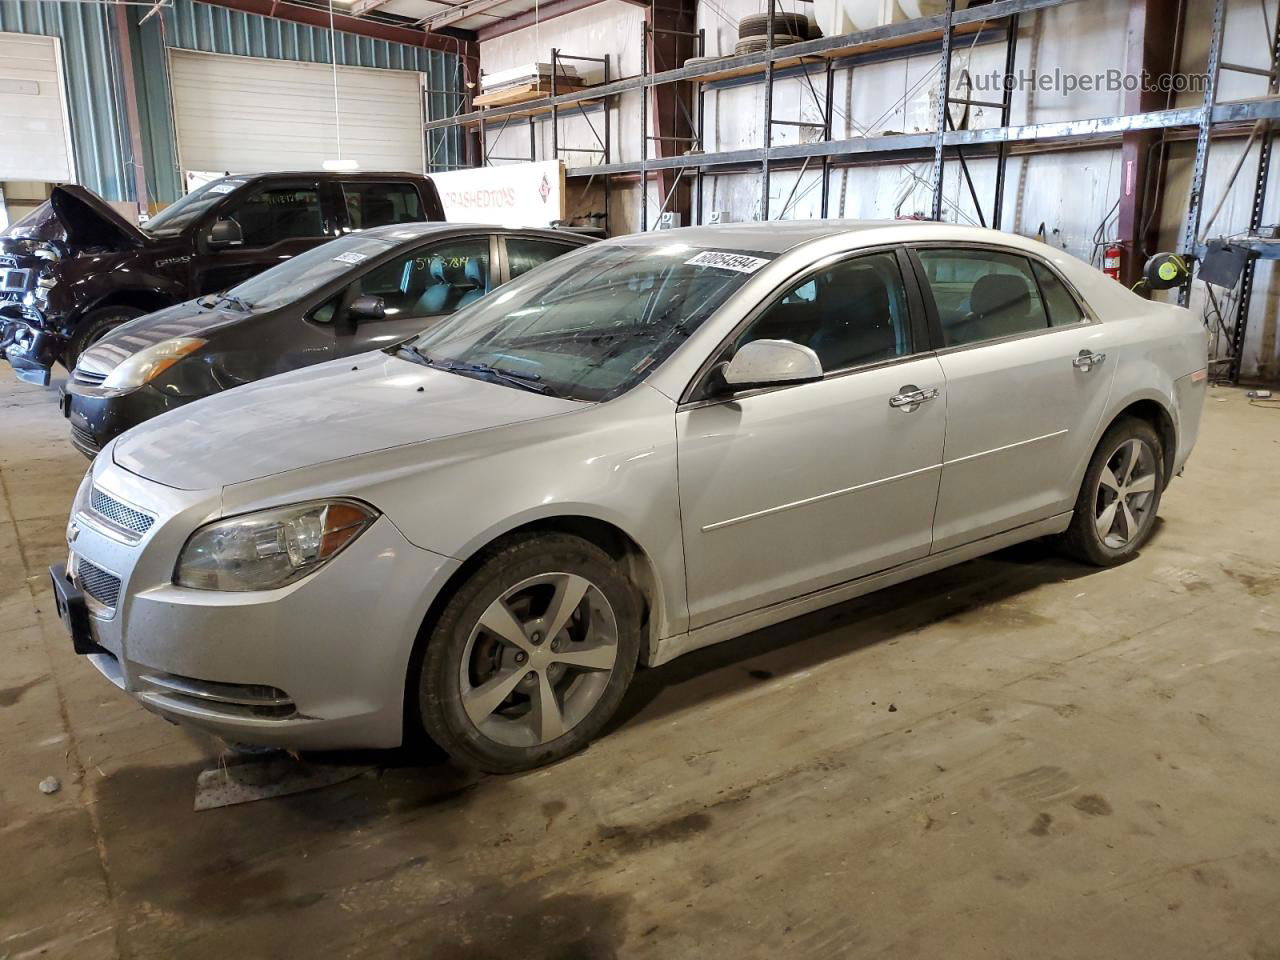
x=273 y=214
x=380 y=204
x=1062 y=306
x=983 y=294
x=524 y=254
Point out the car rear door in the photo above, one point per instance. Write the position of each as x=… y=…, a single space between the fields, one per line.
x=1027 y=383
x=792 y=489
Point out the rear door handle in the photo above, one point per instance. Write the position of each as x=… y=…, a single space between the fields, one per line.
x=910 y=397
x=1086 y=361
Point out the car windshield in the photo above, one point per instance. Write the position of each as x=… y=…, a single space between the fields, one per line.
x=307 y=272
x=593 y=323
x=180 y=214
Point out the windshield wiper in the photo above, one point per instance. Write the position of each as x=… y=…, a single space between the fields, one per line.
x=242 y=305
x=525 y=381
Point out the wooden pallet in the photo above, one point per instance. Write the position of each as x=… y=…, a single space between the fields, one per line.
x=524 y=93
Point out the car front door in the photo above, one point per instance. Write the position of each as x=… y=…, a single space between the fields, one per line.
x=275 y=221
x=1027 y=383
x=788 y=490
x=418 y=288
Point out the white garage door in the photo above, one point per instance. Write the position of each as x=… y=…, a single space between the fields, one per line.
x=36 y=144
x=248 y=115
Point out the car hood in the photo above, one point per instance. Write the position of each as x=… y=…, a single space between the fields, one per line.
x=183 y=320
x=327 y=412
x=89 y=221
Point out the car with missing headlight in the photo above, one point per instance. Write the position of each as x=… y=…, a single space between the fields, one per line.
x=649 y=445
x=350 y=295
x=74 y=269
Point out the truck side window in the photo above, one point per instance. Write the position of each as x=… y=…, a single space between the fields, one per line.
x=378 y=204
x=273 y=214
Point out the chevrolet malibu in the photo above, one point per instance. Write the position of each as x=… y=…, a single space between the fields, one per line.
x=643 y=447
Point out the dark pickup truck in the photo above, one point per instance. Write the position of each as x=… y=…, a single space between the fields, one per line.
x=73 y=269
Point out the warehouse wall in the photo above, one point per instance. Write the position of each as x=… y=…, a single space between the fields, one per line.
x=100 y=132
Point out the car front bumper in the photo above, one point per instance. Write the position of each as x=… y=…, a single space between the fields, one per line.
x=319 y=664
x=97 y=417
x=30 y=350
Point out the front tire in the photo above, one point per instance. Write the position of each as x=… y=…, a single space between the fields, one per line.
x=93 y=326
x=1115 y=512
x=531 y=655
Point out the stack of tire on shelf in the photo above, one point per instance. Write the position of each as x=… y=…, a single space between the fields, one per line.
x=753 y=31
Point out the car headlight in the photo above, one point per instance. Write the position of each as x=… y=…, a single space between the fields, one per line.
x=145 y=365
x=270 y=548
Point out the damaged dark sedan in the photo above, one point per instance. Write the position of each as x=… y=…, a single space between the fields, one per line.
x=74 y=269
x=357 y=293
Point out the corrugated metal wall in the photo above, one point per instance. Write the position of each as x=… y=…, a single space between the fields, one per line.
x=99 y=134
x=99 y=129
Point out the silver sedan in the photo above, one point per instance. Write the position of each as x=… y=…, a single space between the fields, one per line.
x=649 y=445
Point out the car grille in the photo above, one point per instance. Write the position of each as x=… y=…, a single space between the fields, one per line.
x=88 y=377
x=98 y=583
x=83 y=441
x=121 y=516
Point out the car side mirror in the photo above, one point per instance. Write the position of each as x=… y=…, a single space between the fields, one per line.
x=225 y=233
x=767 y=363
x=366 y=307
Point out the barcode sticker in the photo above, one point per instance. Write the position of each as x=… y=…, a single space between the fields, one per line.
x=351 y=257
x=223 y=187
x=738 y=262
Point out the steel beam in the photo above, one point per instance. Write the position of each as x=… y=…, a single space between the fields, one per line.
x=345 y=23
x=1152 y=45
x=916 y=144
x=545 y=12
x=672 y=26
x=890 y=34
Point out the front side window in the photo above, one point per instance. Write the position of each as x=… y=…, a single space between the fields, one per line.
x=273 y=214
x=380 y=204
x=850 y=314
x=524 y=253
x=595 y=322
x=180 y=214
x=983 y=294
x=428 y=282
x=299 y=276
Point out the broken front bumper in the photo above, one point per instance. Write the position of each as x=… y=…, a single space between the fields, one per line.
x=30 y=350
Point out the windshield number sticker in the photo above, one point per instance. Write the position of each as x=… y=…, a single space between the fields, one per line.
x=223 y=187
x=738 y=262
x=351 y=257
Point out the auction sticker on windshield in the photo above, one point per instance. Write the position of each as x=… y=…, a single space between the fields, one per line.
x=738 y=262
x=352 y=257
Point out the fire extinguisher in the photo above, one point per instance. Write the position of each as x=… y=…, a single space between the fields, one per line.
x=1111 y=262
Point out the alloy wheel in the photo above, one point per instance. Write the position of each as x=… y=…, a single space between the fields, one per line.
x=539 y=659
x=1126 y=493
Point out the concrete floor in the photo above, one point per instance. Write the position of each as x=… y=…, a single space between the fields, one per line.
x=1017 y=757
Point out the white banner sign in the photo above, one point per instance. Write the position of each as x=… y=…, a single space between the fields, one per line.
x=514 y=194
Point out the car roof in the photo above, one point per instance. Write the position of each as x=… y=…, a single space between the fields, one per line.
x=329 y=174
x=399 y=232
x=778 y=236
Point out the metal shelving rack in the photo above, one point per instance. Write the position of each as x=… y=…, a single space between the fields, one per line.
x=994 y=21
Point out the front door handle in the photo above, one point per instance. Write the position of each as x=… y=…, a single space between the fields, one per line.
x=909 y=397
x=1086 y=361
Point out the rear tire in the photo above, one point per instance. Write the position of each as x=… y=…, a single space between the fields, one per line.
x=531 y=655
x=93 y=326
x=1115 y=512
